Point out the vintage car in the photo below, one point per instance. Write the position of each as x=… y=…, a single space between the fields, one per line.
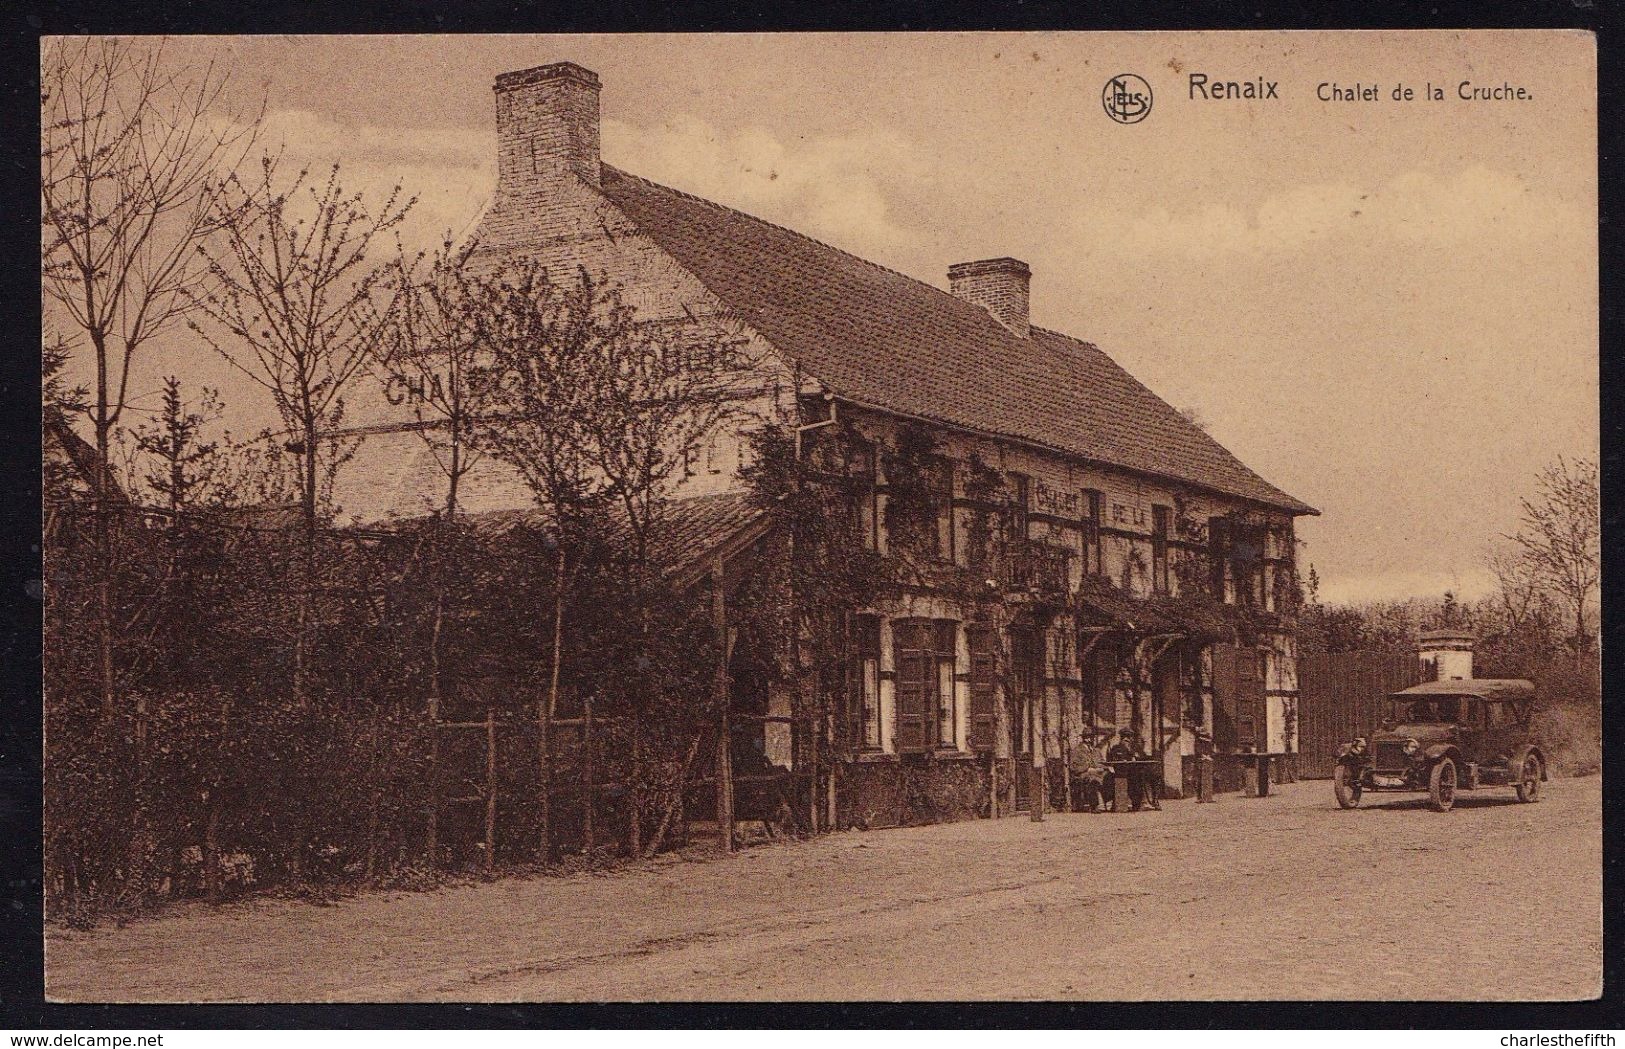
x=1445 y=736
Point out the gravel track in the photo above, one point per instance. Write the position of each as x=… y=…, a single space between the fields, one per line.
x=1284 y=897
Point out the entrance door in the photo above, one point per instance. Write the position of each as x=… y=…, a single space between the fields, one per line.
x=1026 y=678
x=1238 y=699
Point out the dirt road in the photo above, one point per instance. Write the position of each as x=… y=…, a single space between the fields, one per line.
x=1279 y=897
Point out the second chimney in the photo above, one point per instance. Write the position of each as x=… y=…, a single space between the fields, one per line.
x=999 y=286
x=547 y=126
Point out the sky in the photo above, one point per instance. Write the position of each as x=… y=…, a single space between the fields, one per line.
x=1387 y=308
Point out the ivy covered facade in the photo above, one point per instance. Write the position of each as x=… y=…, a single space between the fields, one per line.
x=974 y=542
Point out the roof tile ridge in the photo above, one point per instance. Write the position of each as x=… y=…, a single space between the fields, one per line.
x=1214 y=441
x=1070 y=338
x=784 y=229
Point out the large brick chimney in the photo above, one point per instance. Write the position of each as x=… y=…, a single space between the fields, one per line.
x=547 y=126
x=998 y=286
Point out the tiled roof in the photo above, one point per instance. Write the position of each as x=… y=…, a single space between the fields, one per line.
x=80 y=453
x=876 y=337
x=689 y=532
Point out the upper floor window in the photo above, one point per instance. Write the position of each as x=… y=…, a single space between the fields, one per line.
x=942 y=485
x=860 y=468
x=1089 y=532
x=1160 y=517
x=1237 y=550
x=1020 y=485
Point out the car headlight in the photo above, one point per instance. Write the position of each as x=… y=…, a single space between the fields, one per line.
x=1411 y=746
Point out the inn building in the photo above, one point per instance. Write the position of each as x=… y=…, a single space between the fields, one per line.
x=1143 y=577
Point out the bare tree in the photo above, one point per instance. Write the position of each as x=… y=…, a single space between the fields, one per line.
x=535 y=393
x=1559 y=540
x=429 y=351
x=296 y=312
x=1520 y=592
x=663 y=393
x=130 y=161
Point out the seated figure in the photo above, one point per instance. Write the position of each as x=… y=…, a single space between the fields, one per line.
x=1089 y=772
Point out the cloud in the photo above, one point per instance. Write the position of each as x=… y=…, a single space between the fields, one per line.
x=451 y=171
x=830 y=187
x=1416 y=208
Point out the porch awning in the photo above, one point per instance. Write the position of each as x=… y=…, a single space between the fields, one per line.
x=1196 y=617
x=689 y=535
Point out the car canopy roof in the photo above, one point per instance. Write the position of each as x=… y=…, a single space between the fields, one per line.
x=1480 y=688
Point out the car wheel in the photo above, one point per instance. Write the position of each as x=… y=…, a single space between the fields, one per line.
x=1529 y=779
x=1442 y=785
x=1346 y=785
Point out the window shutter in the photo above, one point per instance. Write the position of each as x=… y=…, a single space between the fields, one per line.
x=1250 y=718
x=1224 y=697
x=865 y=680
x=916 y=680
x=984 y=668
x=1216 y=554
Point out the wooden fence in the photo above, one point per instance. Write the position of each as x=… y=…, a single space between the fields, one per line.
x=1340 y=696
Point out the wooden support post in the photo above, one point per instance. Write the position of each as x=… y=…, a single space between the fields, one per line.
x=1066 y=751
x=1263 y=775
x=1038 y=794
x=1204 y=778
x=1120 y=793
x=812 y=780
x=724 y=776
x=374 y=801
x=589 y=793
x=432 y=831
x=829 y=777
x=490 y=787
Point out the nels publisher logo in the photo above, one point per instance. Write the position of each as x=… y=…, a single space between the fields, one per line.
x=1127 y=98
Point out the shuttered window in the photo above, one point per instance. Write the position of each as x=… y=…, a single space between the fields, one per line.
x=1217 y=552
x=984 y=670
x=1018 y=507
x=924 y=653
x=865 y=510
x=942 y=483
x=1089 y=532
x=1159 y=548
x=947 y=695
x=914 y=654
x=866 y=679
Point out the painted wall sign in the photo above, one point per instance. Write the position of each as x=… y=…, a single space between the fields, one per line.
x=398 y=389
x=1058 y=501
x=1123 y=513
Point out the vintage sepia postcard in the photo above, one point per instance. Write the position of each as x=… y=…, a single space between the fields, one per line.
x=828 y=517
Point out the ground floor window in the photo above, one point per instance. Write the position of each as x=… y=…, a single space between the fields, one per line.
x=866 y=679
x=984 y=676
x=947 y=694
x=923 y=653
